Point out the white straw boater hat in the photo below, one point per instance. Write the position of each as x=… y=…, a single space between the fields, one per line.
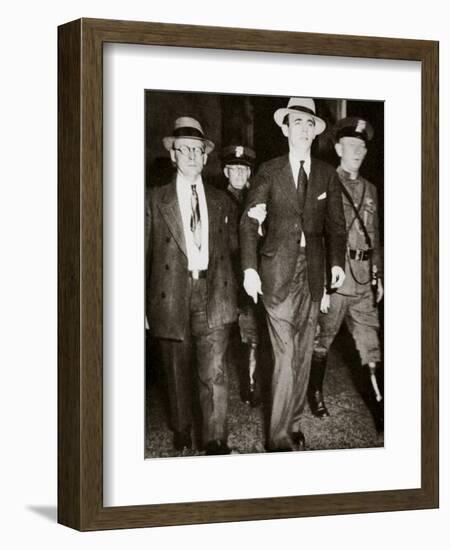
x=187 y=127
x=304 y=105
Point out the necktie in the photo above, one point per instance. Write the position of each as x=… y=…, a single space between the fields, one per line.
x=196 y=224
x=302 y=185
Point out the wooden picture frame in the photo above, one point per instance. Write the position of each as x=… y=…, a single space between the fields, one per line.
x=80 y=272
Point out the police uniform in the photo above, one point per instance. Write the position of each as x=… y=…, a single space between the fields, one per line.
x=239 y=155
x=354 y=302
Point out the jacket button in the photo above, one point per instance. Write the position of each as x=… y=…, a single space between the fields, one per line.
x=167 y=239
x=167 y=267
x=298 y=241
x=163 y=294
x=221 y=256
x=225 y=283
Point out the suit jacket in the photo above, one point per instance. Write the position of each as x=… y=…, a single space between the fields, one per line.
x=322 y=222
x=236 y=205
x=167 y=264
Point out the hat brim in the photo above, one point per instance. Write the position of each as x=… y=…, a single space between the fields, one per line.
x=239 y=162
x=169 y=141
x=281 y=113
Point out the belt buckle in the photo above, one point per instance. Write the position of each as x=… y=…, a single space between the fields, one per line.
x=195 y=274
x=359 y=254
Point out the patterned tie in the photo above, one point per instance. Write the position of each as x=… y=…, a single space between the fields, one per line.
x=302 y=185
x=196 y=224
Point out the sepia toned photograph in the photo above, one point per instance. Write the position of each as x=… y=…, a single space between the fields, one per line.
x=264 y=238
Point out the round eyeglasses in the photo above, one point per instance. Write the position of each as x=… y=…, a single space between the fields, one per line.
x=188 y=151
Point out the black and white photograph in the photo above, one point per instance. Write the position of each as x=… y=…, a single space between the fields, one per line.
x=264 y=239
x=225 y=275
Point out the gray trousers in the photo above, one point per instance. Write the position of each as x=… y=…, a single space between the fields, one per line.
x=292 y=326
x=198 y=362
x=361 y=317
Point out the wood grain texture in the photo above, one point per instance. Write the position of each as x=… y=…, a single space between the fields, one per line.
x=80 y=241
x=69 y=248
x=430 y=273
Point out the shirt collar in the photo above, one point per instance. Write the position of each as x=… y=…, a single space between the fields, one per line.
x=294 y=159
x=185 y=184
x=238 y=194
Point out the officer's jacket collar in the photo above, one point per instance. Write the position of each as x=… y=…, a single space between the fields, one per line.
x=346 y=176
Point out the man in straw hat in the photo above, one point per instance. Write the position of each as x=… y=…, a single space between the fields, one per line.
x=191 y=292
x=355 y=302
x=304 y=214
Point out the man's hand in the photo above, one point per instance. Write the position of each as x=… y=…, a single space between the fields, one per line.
x=258 y=213
x=325 y=302
x=380 y=291
x=337 y=276
x=252 y=283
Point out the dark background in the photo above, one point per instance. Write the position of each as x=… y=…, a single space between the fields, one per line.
x=248 y=120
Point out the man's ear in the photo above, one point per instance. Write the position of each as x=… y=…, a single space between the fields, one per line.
x=285 y=130
x=338 y=149
x=205 y=158
x=172 y=156
x=226 y=172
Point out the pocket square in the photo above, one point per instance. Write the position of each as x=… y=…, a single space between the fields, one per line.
x=322 y=196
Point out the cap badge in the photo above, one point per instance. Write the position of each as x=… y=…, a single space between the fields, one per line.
x=239 y=151
x=361 y=126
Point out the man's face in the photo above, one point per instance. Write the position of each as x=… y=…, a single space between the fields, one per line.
x=189 y=156
x=300 y=131
x=352 y=151
x=237 y=175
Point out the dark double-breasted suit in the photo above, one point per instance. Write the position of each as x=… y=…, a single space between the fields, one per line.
x=182 y=311
x=167 y=264
x=292 y=275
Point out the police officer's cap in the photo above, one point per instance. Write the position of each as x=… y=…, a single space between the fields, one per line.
x=238 y=154
x=353 y=127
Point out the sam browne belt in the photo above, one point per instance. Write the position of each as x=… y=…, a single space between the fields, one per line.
x=360 y=254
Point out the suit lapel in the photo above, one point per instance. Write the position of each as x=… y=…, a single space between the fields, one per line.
x=171 y=213
x=214 y=218
x=314 y=175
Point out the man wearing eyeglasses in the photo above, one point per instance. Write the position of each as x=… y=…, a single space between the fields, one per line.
x=305 y=231
x=191 y=291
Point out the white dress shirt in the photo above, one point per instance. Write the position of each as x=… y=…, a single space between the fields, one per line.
x=294 y=161
x=197 y=259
